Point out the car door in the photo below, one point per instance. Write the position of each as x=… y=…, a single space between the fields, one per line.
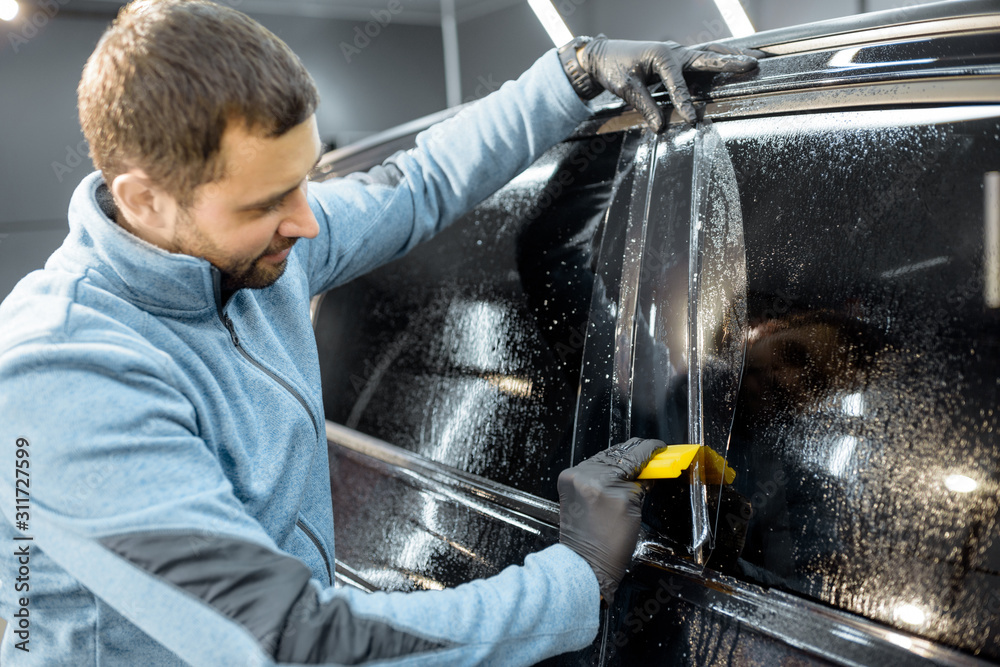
x=853 y=253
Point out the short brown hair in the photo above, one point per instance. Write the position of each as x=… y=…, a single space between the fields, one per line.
x=169 y=75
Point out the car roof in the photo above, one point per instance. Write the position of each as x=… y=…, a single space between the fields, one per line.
x=848 y=30
x=950 y=16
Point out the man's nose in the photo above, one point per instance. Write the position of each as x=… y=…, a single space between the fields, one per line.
x=299 y=220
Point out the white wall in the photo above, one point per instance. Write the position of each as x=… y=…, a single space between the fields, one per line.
x=394 y=77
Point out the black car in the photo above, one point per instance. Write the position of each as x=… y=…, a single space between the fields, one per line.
x=808 y=283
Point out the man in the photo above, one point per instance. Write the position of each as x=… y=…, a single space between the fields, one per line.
x=160 y=383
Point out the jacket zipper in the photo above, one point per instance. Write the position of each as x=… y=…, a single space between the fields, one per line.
x=319 y=548
x=236 y=341
x=228 y=323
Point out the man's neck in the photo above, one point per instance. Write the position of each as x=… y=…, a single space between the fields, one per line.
x=110 y=208
x=107 y=203
x=226 y=293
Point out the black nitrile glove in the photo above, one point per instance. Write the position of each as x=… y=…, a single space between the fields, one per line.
x=600 y=508
x=625 y=68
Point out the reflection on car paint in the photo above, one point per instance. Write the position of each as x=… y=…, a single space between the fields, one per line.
x=991 y=238
x=442 y=543
x=849 y=59
x=915 y=58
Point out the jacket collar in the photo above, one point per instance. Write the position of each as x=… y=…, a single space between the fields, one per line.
x=135 y=269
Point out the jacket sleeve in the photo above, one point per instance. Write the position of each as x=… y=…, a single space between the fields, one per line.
x=370 y=218
x=132 y=504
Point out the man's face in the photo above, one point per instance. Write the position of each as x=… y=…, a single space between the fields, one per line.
x=245 y=222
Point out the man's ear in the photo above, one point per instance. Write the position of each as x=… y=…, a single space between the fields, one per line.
x=149 y=211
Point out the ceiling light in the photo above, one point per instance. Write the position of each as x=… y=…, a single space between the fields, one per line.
x=735 y=17
x=8 y=10
x=551 y=21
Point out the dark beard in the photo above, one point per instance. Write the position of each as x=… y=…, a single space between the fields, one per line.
x=252 y=276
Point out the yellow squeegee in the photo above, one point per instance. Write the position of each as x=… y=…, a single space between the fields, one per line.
x=675 y=458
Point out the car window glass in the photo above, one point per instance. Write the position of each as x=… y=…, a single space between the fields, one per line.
x=468 y=350
x=865 y=434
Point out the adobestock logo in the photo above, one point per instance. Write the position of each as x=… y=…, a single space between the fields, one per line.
x=364 y=34
x=43 y=12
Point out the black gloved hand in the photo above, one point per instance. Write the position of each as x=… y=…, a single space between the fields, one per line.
x=600 y=508
x=625 y=68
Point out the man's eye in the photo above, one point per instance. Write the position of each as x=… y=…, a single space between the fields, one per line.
x=270 y=209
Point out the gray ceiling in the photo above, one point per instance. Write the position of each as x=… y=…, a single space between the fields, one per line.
x=414 y=12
